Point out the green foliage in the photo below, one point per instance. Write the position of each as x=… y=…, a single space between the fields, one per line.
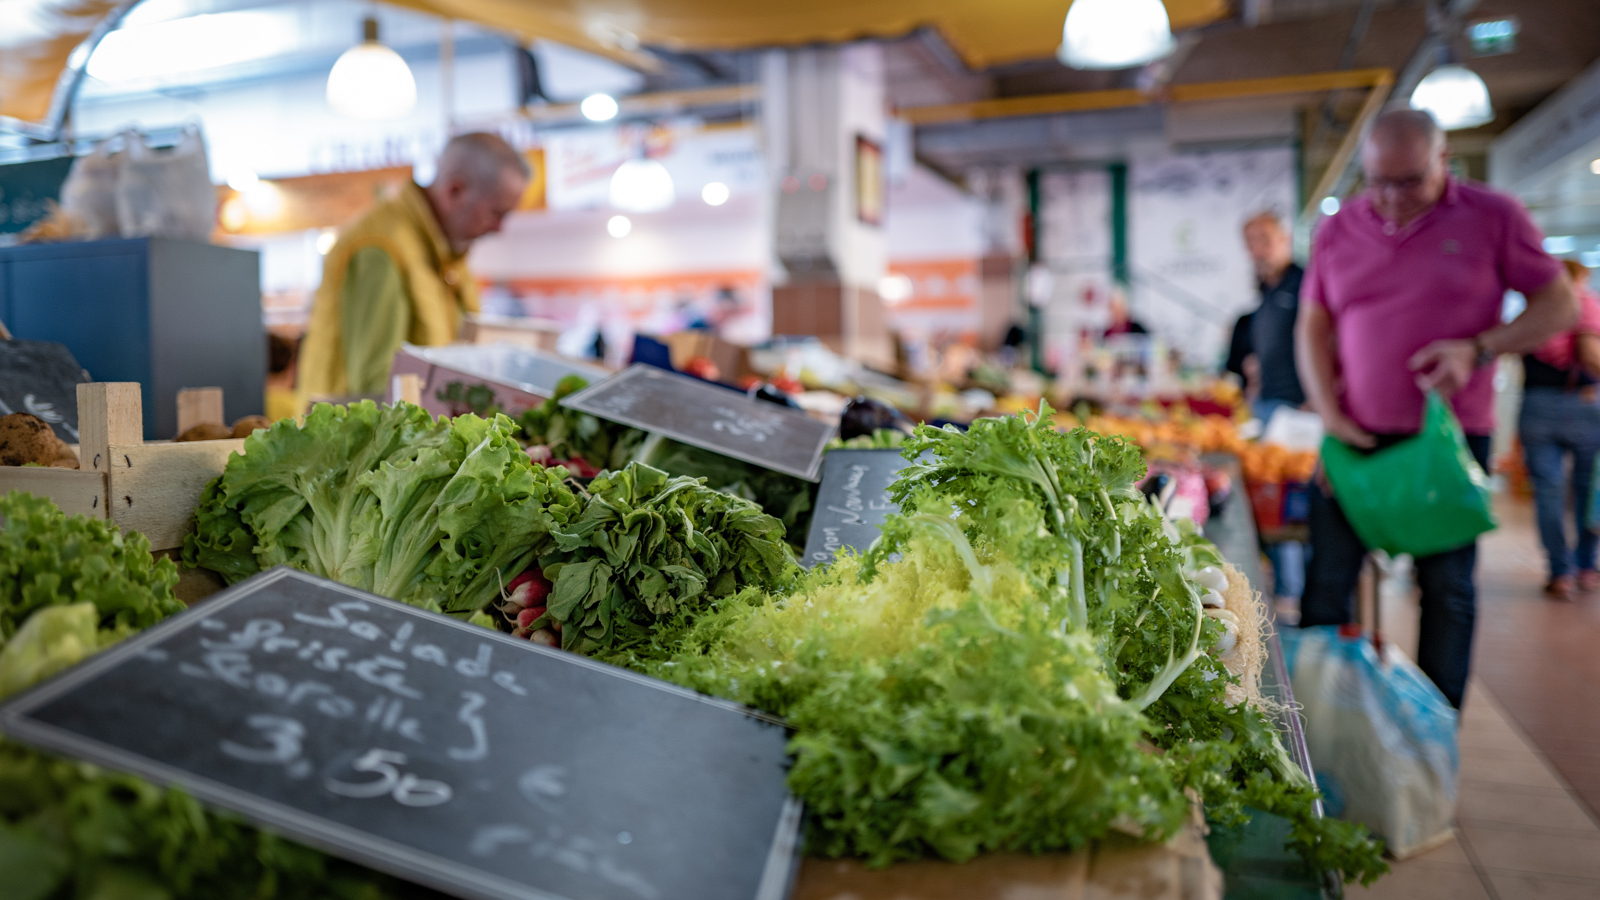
x=879 y=439
x=50 y=559
x=649 y=548
x=783 y=497
x=436 y=513
x=577 y=435
x=1016 y=665
x=71 y=831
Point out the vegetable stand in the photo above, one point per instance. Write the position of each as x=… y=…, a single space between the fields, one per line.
x=1256 y=864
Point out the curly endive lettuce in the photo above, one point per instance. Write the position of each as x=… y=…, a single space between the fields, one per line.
x=648 y=548
x=438 y=513
x=50 y=559
x=1021 y=633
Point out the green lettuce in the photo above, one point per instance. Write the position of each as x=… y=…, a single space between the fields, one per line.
x=50 y=559
x=439 y=513
x=648 y=548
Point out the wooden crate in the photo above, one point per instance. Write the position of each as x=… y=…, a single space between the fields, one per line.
x=152 y=488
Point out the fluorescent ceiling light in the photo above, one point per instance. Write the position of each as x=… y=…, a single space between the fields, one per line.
x=1565 y=243
x=1115 y=34
x=370 y=81
x=642 y=186
x=191 y=44
x=1455 y=96
x=1329 y=206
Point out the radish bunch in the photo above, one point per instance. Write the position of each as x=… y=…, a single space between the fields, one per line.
x=525 y=605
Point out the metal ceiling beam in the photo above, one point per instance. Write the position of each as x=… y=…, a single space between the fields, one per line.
x=1444 y=21
x=1081 y=101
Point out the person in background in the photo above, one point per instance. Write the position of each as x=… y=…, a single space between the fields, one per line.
x=1122 y=320
x=1272 y=323
x=1241 y=361
x=1270 y=357
x=1404 y=296
x=399 y=274
x=1560 y=420
x=281 y=353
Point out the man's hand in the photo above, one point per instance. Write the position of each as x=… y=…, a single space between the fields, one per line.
x=1445 y=366
x=1345 y=429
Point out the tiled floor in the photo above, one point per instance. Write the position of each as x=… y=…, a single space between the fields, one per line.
x=1530 y=741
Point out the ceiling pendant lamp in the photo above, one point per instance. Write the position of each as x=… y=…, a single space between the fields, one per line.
x=1115 y=34
x=1455 y=96
x=370 y=81
x=642 y=186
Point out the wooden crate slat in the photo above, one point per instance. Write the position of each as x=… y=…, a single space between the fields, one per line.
x=73 y=490
x=155 y=487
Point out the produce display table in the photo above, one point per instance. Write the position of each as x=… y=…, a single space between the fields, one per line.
x=1253 y=858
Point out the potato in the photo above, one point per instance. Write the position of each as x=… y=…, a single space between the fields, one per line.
x=249 y=425
x=65 y=457
x=26 y=439
x=206 y=431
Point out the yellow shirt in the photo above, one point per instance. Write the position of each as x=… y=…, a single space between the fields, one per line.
x=391 y=278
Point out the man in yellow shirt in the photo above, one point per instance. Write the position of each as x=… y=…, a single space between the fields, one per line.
x=399 y=274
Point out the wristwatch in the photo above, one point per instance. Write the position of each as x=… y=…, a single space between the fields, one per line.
x=1484 y=356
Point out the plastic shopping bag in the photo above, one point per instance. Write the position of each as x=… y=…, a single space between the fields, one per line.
x=1382 y=739
x=89 y=194
x=1422 y=496
x=166 y=193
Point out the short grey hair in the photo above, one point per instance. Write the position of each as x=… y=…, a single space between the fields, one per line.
x=1402 y=122
x=480 y=158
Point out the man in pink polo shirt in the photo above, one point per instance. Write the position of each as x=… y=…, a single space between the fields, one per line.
x=1404 y=295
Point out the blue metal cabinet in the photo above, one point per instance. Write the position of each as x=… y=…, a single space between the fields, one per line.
x=167 y=314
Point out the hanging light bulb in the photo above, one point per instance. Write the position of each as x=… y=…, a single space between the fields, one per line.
x=370 y=81
x=1455 y=96
x=1114 y=34
x=642 y=186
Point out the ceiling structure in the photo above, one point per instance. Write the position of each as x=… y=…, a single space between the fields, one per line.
x=949 y=52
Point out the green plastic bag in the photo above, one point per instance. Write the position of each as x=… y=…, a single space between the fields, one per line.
x=1422 y=496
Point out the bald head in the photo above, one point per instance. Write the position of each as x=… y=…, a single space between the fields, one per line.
x=480 y=179
x=1269 y=246
x=1404 y=160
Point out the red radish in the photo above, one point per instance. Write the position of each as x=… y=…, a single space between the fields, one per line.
x=546 y=637
x=539 y=453
x=529 y=616
x=528 y=589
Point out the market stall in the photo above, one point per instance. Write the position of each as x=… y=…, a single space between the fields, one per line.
x=637 y=569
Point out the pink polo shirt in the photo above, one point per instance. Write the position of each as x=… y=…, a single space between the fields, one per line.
x=1392 y=291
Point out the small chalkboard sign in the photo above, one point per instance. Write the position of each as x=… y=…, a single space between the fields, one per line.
x=852 y=502
x=444 y=753
x=709 y=417
x=41 y=378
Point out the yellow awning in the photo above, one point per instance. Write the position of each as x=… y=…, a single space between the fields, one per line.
x=36 y=38
x=984 y=32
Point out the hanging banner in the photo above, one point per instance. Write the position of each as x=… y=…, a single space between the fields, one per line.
x=1190 y=276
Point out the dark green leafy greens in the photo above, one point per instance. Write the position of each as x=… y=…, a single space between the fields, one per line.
x=436 y=513
x=570 y=434
x=648 y=548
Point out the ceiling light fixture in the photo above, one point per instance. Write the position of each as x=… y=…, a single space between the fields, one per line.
x=619 y=226
x=1329 y=206
x=599 y=107
x=1595 y=167
x=714 y=194
x=1115 y=34
x=1455 y=96
x=895 y=288
x=370 y=81
x=642 y=186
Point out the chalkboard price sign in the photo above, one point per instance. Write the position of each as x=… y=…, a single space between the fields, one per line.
x=709 y=417
x=443 y=753
x=852 y=502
